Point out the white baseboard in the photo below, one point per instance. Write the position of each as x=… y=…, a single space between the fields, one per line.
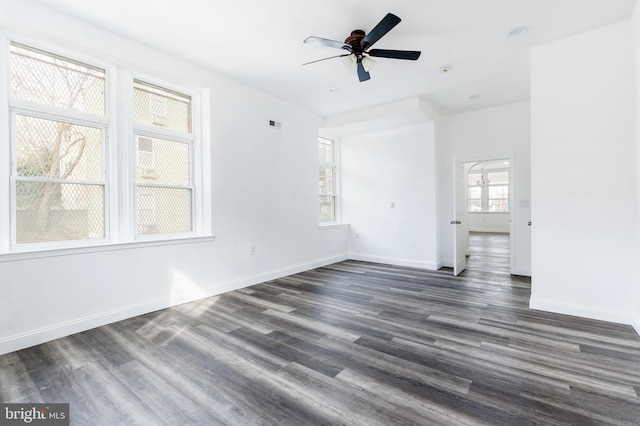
x=268 y=276
x=582 y=311
x=46 y=334
x=446 y=263
x=525 y=272
x=636 y=325
x=394 y=261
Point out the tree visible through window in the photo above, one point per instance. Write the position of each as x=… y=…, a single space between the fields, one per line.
x=58 y=175
x=63 y=168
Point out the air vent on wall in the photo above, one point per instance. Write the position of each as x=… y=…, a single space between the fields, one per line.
x=275 y=124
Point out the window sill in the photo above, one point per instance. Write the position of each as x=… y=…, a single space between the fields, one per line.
x=27 y=255
x=333 y=225
x=488 y=212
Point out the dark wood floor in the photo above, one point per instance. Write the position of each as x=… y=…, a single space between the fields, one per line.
x=489 y=252
x=352 y=343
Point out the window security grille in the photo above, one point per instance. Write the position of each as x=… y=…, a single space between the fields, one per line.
x=164 y=172
x=58 y=179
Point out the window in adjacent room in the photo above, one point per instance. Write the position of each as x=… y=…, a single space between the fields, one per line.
x=328 y=180
x=488 y=189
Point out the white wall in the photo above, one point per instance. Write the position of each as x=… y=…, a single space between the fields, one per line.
x=635 y=24
x=492 y=133
x=489 y=222
x=391 y=166
x=264 y=194
x=584 y=241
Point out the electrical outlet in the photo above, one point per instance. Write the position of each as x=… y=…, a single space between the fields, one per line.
x=392 y=204
x=252 y=251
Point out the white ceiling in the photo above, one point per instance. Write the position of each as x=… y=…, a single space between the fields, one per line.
x=259 y=43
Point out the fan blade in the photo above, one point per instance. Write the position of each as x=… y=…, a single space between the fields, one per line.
x=324 y=59
x=383 y=27
x=410 y=55
x=326 y=42
x=363 y=75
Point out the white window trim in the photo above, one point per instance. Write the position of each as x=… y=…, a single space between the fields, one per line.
x=119 y=204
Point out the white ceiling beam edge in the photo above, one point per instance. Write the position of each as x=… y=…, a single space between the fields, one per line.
x=382 y=117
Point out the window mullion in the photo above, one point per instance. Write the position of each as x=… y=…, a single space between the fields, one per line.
x=160 y=185
x=484 y=198
x=48 y=112
x=154 y=132
x=122 y=168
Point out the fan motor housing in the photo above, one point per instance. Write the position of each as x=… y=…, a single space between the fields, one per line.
x=354 y=40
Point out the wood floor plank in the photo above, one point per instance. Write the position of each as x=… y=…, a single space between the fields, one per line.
x=353 y=343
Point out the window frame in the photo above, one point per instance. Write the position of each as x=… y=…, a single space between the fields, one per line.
x=118 y=163
x=172 y=135
x=334 y=166
x=37 y=110
x=14 y=178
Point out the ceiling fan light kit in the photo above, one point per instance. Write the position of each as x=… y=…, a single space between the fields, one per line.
x=358 y=60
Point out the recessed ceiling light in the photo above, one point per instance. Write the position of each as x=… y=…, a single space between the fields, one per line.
x=518 y=31
x=333 y=89
x=474 y=97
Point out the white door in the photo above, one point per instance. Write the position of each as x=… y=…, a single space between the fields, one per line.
x=460 y=231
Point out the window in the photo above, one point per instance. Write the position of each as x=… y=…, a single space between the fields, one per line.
x=66 y=187
x=328 y=180
x=488 y=190
x=163 y=159
x=58 y=126
x=498 y=191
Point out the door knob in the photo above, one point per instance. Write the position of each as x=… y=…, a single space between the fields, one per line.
x=456 y=222
x=529 y=223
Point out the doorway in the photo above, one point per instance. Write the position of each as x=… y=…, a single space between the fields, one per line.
x=489 y=252
x=484 y=206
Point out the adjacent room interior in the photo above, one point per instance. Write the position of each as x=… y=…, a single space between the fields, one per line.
x=223 y=213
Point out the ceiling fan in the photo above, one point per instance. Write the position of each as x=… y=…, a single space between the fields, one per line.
x=359 y=43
